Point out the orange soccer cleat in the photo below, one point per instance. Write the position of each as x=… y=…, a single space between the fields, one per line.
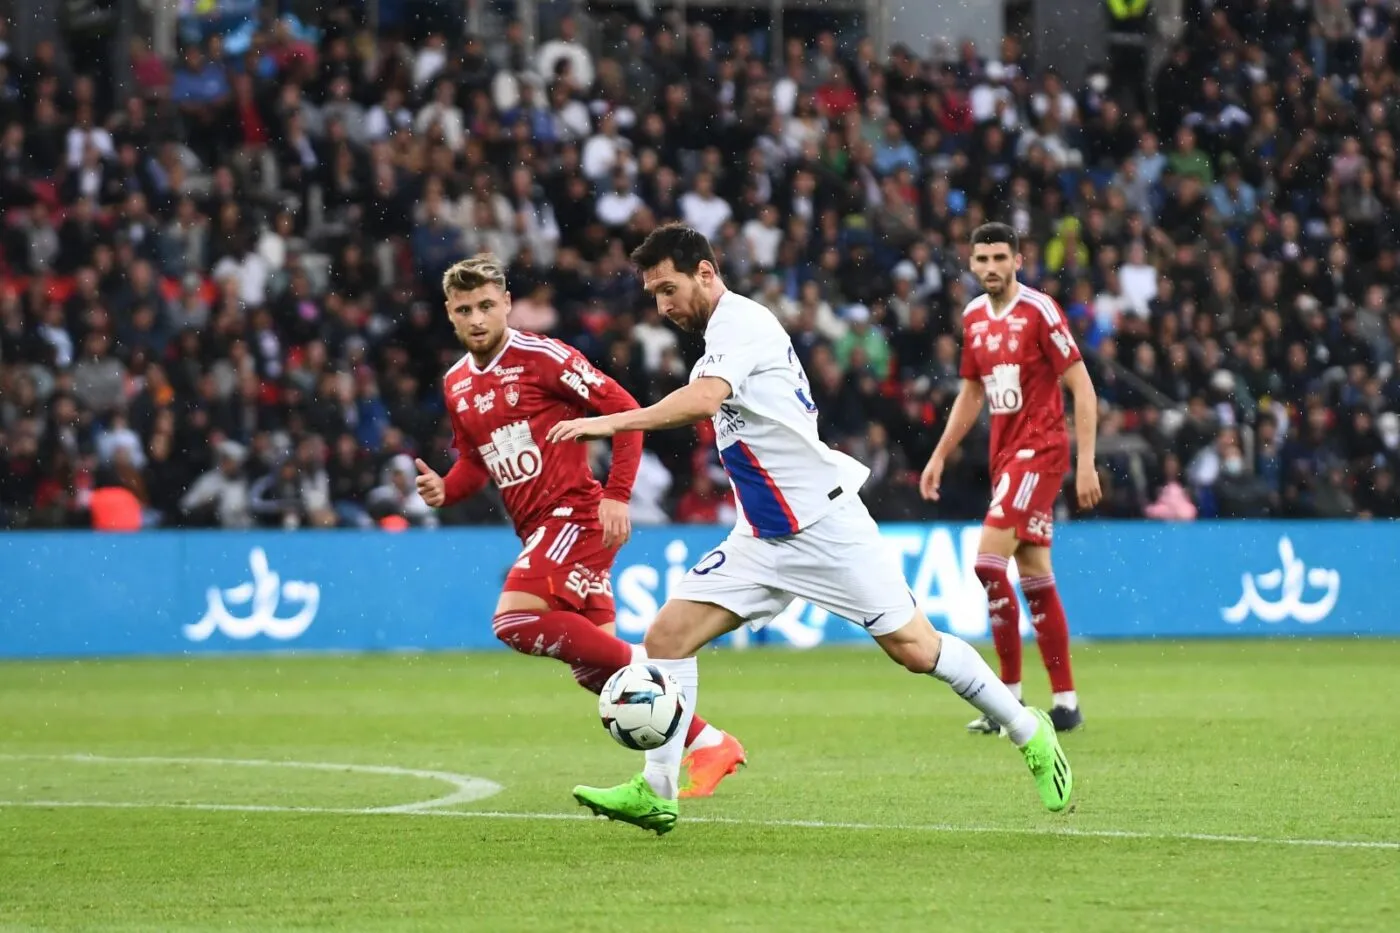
x=706 y=767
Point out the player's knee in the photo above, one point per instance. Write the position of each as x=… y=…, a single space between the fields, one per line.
x=915 y=657
x=518 y=631
x=914 y=647
x=664 y=642
x=1034 y=564
x=668 y=637
x=991 y=570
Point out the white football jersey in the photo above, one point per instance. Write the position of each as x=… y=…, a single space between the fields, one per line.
x=784 y=477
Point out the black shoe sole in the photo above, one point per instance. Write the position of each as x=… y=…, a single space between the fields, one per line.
x=1066 y=720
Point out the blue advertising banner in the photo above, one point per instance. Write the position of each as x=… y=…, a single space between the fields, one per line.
x=80 y=594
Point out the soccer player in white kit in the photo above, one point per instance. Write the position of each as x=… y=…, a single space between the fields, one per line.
x=802 y=530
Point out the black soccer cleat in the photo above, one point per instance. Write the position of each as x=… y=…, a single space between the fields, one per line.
x=984 y=725
x=1065 y=719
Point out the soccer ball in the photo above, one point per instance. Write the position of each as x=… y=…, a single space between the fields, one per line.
x=641 y=706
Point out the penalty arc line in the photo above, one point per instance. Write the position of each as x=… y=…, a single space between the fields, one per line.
x=467 y=788
x=945 y=828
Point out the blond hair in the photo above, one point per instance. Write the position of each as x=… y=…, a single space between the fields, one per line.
x=470 y=274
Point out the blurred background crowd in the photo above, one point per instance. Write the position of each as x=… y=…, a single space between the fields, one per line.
x=219 y=273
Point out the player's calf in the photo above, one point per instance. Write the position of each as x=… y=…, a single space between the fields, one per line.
x=591 y=678
x=1004 y=615
x=566 y=636
x=1052 y=636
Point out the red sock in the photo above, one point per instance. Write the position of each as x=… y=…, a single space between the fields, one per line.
x=567 y=636
x=593 y=678
x=1004 y=613
x=1051 y=629
x=696 y=726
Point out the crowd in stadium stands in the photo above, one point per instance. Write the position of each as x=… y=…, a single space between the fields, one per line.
x=220 y=301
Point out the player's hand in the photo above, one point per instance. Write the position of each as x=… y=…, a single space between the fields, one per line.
x=616 y=520
x=430 y=485
x=1086 y=484
x=581 y=429
x=931 y=479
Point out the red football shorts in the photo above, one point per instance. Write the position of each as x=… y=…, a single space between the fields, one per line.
x=565 y=563
x=1024 y=501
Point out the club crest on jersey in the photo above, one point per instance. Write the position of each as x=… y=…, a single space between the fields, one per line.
x=1012 y=344
x=993 y=342
x=512 y=394
x=485 y=402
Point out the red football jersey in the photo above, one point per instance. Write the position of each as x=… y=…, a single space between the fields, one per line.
x=1019 y=356
x=501 y=414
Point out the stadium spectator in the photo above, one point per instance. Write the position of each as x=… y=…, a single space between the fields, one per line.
x=219 y=294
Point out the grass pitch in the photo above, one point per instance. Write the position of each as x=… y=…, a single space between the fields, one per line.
x=1219 y=786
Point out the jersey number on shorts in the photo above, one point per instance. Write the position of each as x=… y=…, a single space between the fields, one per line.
x=998 y=493
x=1023 y=493
x=558 y=549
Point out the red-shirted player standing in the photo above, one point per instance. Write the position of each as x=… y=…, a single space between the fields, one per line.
x=1017 y=350
x=503 y=397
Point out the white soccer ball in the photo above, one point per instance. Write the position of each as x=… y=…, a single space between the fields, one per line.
x=641 y=706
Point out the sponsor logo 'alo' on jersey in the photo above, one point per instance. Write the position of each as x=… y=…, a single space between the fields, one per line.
x=512 y=457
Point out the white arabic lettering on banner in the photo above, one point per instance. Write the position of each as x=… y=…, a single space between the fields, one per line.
x=263 y=595
x=1290 y=581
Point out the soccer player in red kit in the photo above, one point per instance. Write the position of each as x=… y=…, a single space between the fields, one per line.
x=1017 y=351
x=503 y=397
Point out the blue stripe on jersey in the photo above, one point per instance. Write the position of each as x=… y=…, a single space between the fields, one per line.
x=764 y=505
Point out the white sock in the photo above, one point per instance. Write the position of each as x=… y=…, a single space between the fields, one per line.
x=709 y=736
x=1068 y=699
x=962 y=668
x=639 y=654
x=1015 y=690
x=663 y=770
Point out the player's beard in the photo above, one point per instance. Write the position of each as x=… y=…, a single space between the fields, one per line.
x=483 y=350
x=699 y=307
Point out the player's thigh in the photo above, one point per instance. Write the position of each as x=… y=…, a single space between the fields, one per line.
x=520 y=600
x=915 y=645
x=1021 y=511
x=683 y=627
x=999 y=541
x=842 y=564
x=736 y=578
x=565 y=565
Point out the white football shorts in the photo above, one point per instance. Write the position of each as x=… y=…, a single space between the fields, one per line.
x=839 y=563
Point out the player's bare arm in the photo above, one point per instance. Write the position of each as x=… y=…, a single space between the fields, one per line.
x=687 y=405
x=1086 y=426
x=966 y=409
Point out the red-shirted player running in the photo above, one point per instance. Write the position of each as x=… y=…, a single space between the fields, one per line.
x=503 y=397
x=1017 y=349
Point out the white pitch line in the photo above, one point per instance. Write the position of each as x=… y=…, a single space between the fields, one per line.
x=468 y=788
x=944 y=828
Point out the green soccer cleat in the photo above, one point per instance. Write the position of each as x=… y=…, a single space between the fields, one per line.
x=1048 y=764
x=634 y=802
